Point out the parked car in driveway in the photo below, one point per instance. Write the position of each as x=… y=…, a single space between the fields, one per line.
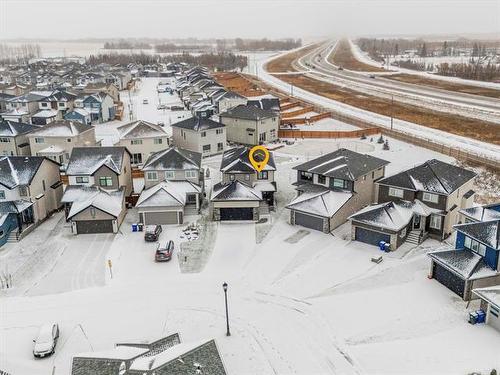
x=145 y=101
x=152 y=233
x=45 y=342
x=164 y=253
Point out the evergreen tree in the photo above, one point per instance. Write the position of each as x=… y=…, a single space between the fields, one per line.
x=423 y=50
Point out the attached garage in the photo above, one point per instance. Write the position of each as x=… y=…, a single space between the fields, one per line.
x=94 y=226
x=162 y=217
x=309 y=221
x=370 y=236
x=236 y=213
x=449 y=279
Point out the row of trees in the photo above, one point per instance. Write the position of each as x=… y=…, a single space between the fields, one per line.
x=173 y=48
x=473 y=70
x=19 y=53
x=125 y=44
x=266 y=44
x=219 y=61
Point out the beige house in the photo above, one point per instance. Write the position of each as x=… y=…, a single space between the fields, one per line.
x=142 y=139
x=14 y=138
x=57 y=140
x=200 y=135
x=250 y=125
x=108 y=88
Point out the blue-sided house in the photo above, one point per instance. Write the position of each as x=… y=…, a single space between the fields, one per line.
x=15 y=216
x=100 y=106
x=475 y=261
x=79 y=114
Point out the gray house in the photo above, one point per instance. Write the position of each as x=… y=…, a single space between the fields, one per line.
x=439 y=185
x=250 y=125
x=200 y=134
x=14 y=138
x=332 y=187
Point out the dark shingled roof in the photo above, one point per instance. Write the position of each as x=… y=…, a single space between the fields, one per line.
x=173 y=158
x=235 y=191
x=343 y=163
x=487 y=232
x=86 y=160
x=483 y=213
x=248 y=112
x=236 y=160
x=433 y=176
x=19 y=170
x=198 y=124
x=465 y=263
x=14 y=128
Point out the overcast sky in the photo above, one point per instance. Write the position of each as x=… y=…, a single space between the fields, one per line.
x=69 y=19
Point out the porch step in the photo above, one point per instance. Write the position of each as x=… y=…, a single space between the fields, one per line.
x=13 y=237
x=414 y=237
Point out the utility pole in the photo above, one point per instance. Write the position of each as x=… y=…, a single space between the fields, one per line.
x=224 y=287
x=392 y=111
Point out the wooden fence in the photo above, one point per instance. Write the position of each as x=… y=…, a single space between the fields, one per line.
x=298 y=112
x=284 y=133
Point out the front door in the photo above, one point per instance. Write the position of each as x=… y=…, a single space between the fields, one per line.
x=416 y=221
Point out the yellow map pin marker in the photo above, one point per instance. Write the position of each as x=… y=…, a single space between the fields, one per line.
x=259 y=156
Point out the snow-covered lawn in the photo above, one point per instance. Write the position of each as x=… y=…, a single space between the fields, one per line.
x=299 y=302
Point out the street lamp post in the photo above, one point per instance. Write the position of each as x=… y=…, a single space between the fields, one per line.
x=224 y=286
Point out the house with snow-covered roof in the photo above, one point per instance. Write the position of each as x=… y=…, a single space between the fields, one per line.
x=14 y=138
x=30 y=190
x=437 y=184
x=490 y=304
x=142 y=139
x=57 y=140
x=480 y=213
x=200 y=134
x=332 y=187
x=106 y=167
x=174 y=187
x=475 y=261
x=78 y=114
x=100 y=106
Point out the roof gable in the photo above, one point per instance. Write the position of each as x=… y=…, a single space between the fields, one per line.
x=173 y=158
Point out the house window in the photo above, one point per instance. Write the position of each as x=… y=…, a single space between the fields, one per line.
x=306 y=176
x=321 y=179
x=203 y=134
x=105 y=181
x=231 y=177
x=61 y=159
x=364 y=177
x=2 y=194
x=398 y=193
x=272 y=133
x=152 y=176
x=436 y=222
x=39 y=140
x=206 y=148
x=220 y=146
x=190 y=174
x=136 y=142
x=169 y=174
x=137 y=158
x=158 y=141
x=92 y=211
x=23 y=191
x=467 y=242
x=482 y=249
x=61 y=105
x=263 y=175
x=262 y=137
x=428 y=197
x=69 y=139
x=4 y=140
x=45 y=105
x=82 y=179
x=219 y=131
x=338 y=183
x=402 y=234
x=247 y=177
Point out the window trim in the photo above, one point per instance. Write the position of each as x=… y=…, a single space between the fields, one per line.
x=428 y=197
x=432 y=222
x=394 y=192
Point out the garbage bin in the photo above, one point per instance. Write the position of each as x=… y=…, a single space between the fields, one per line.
x=134 y=227
x=481 y=316
x=140 y=226
x=473 y=318
x=381 y=245
x=387 y=247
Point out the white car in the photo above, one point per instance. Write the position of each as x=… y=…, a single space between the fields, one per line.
x=45 y=343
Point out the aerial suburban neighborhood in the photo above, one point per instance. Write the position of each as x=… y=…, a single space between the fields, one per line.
x=320 y=196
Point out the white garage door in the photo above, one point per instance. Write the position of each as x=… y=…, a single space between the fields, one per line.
x=494 y=317
x=162 y=218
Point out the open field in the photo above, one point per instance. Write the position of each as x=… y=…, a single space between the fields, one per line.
x=343 y=56
x=467 y=89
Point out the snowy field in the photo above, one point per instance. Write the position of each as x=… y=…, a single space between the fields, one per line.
x=299 y=302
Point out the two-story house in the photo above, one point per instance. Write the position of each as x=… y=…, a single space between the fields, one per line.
x=334 y=186
x=14 y=138
x=174 y=186
x=57 y=140
x=199 y=134
x=438 y=185
x=142 y=138
x=475 y=261
x=99 y=179
x=30 y=190
x=243 y=193
x=250 y=125
x=100 y=106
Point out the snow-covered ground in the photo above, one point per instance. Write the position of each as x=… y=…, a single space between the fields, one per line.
x=299 y=302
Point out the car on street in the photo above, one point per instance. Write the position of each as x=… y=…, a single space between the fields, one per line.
x=145 y=101
x=162 y=106
x=176 y=108
x=45 y=342
x=372 y=76
x=164 y=253
x=152 y=233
